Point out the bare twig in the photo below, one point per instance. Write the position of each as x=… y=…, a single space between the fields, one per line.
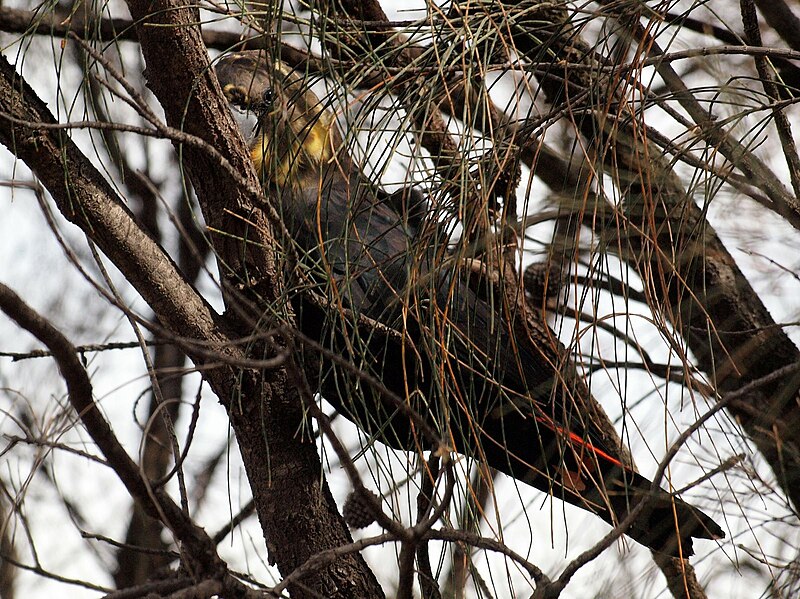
x=750 y=21
x=79 y=388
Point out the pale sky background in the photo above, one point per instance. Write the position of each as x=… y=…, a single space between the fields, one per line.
x=35 y=266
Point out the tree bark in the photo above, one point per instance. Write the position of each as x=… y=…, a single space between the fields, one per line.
x=691 y=278
x=292 y=500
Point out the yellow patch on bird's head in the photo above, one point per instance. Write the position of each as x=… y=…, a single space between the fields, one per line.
x=285 y=154
x=296 y=134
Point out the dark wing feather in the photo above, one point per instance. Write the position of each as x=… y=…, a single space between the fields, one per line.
x=445 y=344
x=505 y=402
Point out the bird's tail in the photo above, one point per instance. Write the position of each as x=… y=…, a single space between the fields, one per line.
x=594 y=479
x=665 y=523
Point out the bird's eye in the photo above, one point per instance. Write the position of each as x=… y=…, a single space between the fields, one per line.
x=263 y=108
x=268 y=98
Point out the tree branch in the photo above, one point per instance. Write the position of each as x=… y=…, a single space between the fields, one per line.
x=198 y=552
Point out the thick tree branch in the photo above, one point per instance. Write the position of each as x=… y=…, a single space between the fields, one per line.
x=85 y=198
x=62 y=23
x=266 y=414
x=689 y=275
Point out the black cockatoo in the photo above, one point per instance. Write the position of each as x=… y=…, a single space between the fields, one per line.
x=415 y=322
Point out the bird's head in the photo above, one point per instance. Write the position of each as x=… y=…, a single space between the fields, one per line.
x=296 y=135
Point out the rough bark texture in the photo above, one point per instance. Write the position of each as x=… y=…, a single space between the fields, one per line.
x=691 y=278
x=292 y=502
